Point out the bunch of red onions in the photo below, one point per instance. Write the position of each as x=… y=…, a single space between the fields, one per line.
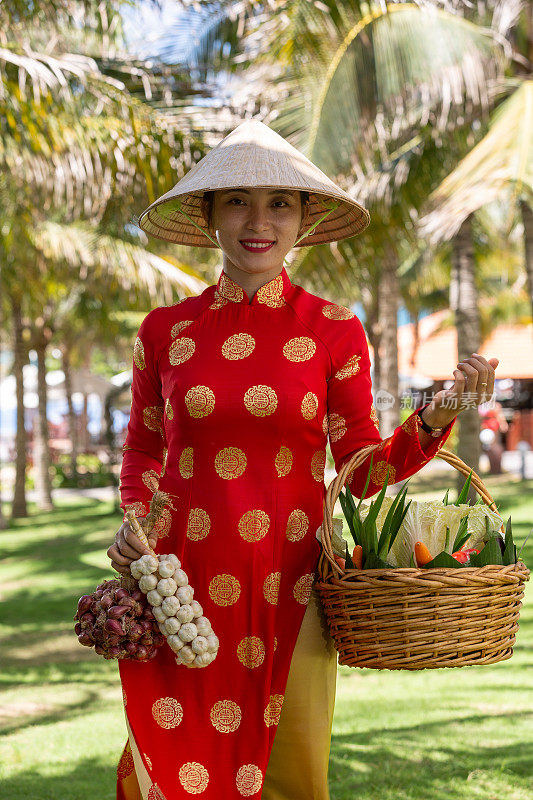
x=118 y=623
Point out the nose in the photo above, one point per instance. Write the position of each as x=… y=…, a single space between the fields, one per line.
x=258 y=219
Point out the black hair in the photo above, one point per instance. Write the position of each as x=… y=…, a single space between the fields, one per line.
x=209 y=196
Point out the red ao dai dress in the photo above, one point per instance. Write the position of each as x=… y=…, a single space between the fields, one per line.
x=233 y=402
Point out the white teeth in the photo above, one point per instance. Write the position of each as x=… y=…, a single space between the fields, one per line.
x=257 y=246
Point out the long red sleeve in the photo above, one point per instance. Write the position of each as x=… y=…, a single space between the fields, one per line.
x=353 y=421
x=144 y=448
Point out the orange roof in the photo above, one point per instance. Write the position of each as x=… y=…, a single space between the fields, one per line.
x=437 y=353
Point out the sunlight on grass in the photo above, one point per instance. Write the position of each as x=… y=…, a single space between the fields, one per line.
x=430 y=735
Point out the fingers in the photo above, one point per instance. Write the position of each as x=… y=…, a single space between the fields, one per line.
x=479 y=375
x=126 y=548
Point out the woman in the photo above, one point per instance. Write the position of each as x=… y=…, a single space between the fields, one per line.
x=234 y=394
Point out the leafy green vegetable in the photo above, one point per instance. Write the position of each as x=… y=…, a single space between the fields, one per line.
x=445 y=498
x=442 y=560
x=491 y=554
x=464 y=491
x=349 y=563
x=462 y=534
x=372 y=561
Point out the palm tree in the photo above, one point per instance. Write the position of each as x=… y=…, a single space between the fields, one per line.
x=389 y=85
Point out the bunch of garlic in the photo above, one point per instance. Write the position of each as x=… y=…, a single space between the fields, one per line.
x=180 y=618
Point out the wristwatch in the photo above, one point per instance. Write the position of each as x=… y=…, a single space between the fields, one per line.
x=425 y=427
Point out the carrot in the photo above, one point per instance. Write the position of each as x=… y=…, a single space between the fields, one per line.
x=341 y=562
x=422 y=554
x=357 y=556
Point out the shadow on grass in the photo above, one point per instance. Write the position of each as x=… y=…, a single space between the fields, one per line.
x=88 y=780
x=362 y=766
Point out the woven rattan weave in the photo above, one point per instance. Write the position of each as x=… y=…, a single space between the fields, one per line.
x=404 y=618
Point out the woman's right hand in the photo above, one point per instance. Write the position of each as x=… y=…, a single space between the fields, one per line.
x=128 y=547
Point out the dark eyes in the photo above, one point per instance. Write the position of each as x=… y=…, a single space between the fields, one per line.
x=239 y=200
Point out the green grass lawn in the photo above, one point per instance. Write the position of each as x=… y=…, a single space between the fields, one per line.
x=431 y=735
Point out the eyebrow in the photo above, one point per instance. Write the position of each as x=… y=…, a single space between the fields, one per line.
x=271 y=191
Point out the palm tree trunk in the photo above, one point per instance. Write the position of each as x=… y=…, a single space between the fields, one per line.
x=527 y=219
x=42 y=459
x=72 y=422
x=389 y=289
x=19 y=507
x=464 y=303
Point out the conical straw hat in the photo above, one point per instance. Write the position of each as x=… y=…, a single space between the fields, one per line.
x=253 y=155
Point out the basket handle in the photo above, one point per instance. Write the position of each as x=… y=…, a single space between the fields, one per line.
x=337 y=484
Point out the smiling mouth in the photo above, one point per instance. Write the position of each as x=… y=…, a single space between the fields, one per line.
x=256 y=245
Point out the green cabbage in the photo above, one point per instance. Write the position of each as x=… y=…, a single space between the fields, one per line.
x=426 y=522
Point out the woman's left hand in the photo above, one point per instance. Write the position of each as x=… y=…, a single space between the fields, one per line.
x=473 y=385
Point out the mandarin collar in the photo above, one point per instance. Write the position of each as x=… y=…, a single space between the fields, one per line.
x=270 y=294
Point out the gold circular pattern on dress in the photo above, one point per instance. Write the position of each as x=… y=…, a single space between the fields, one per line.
x=318 y=464
x=181 y=350
x=168 y=410
x=225 y=716
x=224 y=589
x=351 y=367
x=219 y=302
x=193 y=777
x=275 y=643
x=337 y=426
x=297 y=525
x=379 y=473
x=325 y=426
x=273 y=710
x=271 y=293
x=164 y=523
x=200 y=401
x=150 y=478
x=253 y=525
x=153 y=418
x=138 y=354
x=179 y=326
x=374 y=416
x=229 y=289
x=283 y=461
x=271 y=587
x=198 y=524
x=240 y=345
x=249 y=779
x=301 y=348
x=167 y=712
x=261 y=400
x=302 y=588
x=333 y=311
x=230 y=462
x=410 y=425
x=138 y=507
x=186 y=462
x=251 y=651
x=309 y=405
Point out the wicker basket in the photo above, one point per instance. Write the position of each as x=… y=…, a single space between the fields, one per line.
x=404 y=618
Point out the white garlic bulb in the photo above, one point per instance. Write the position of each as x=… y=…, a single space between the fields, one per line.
x=181 y=577
x=184 y=594
x=202 y=659
x=188 y=631
x=161 y=626
x=158 y=613
x=184 y=613
x=204 y=626
x=166 y=587
x=166 y=569
x=175 y=643
x=148 y=564
x=197 y=609
x=135 y=570
x=171 y=625
x=170 y=606
x=147 y=582
x=213 y=642
x=154 y=598
x=186 y=654
x=199 y=644
x=174 y=560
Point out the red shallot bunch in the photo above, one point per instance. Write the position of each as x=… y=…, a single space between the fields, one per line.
x=118 y=622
